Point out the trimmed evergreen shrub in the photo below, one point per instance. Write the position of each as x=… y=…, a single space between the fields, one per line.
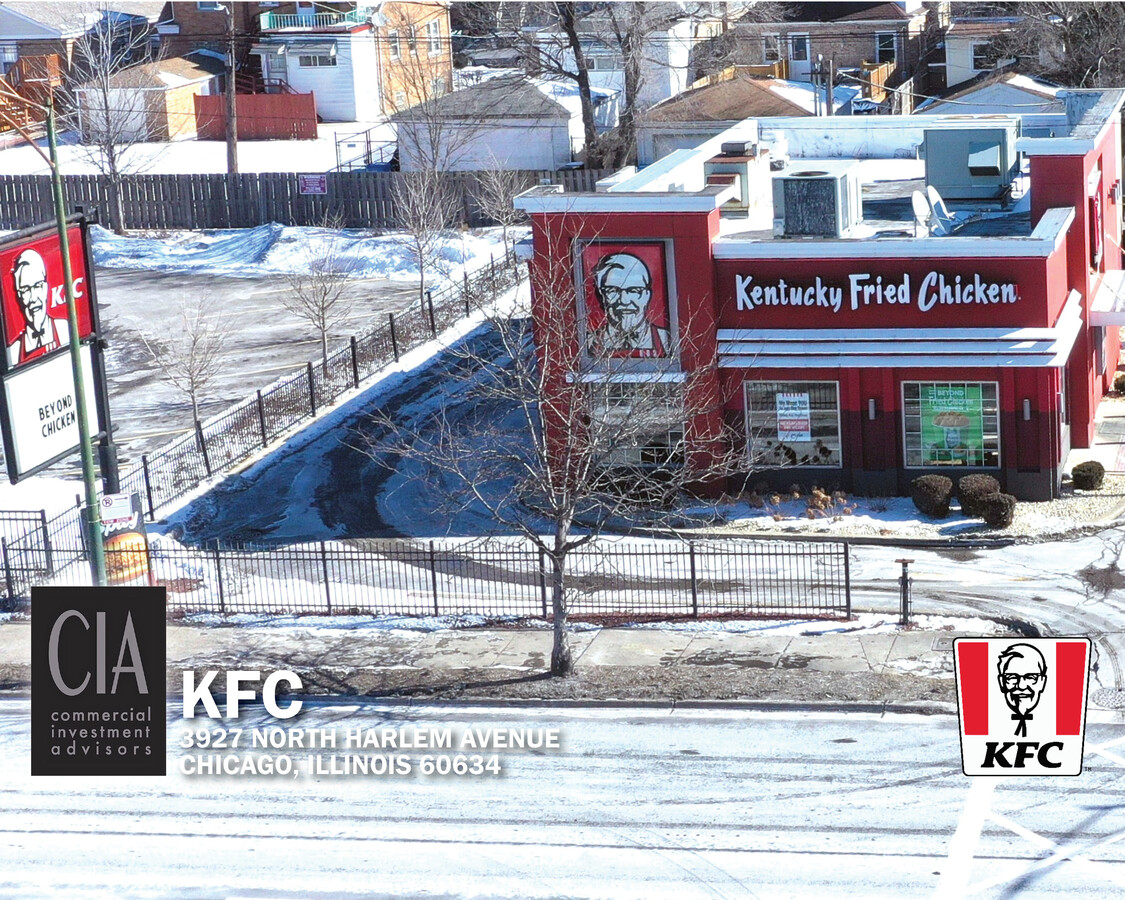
x=931 y=495
x=972 y=489
x=1088 y=476
x=997 y=510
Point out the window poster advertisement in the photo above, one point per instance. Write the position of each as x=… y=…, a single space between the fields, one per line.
x=794 y=420
x=952 y=424
x=626 y=299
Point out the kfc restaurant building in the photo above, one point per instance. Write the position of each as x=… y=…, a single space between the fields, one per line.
x=856 y=332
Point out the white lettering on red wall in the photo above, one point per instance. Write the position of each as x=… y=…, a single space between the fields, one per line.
x=862 y=290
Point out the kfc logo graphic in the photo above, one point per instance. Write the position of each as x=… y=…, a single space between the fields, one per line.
x=627 y=312
x=1022 y=704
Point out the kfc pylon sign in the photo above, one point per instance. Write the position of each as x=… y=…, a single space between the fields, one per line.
x=1022 y=704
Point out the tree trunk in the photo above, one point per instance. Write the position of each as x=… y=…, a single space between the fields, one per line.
x=324 y=351
x=566 y=18
x=561 y=661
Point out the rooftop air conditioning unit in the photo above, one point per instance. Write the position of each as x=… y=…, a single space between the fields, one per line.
x=821 y=202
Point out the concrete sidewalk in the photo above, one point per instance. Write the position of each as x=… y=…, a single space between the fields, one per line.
x=512 y=651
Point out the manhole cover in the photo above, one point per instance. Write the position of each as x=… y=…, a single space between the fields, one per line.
x=943 y=642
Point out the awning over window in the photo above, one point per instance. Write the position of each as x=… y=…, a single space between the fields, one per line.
x=268 y=49
x=1108 y=307
x=916 y=348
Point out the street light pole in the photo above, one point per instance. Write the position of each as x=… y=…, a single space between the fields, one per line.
x=92 y=513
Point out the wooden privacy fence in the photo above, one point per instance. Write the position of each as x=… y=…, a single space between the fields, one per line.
x=357 y=199
x=260 y=117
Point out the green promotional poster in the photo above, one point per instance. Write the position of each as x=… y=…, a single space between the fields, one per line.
x=952 y=425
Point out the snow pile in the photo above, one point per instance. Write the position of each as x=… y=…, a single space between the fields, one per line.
x=275 y=249
x=864 y=623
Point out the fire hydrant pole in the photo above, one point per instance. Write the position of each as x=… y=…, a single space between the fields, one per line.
x=92 y=512
x=904 y=592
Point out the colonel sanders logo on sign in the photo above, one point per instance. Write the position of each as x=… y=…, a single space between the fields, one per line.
x=1022 y=704
x=627 y=309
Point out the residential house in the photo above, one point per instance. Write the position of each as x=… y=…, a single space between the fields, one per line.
x=843 y=36
x=363 y=62
x=667 y=66
x=46 y=29
x=970 y=50
x=507 y=122
x=152 y=101
x=684 y=121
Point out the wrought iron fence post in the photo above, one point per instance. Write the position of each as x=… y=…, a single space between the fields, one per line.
x=847 y=582
x=262 y=419
x=433 y=577
x=394 y=337
x=543 y=580
x=430 y=308
x=324 y=569
x=203 y=447
x=8 y=571
x=148 y=487
x=48 y=556
x=355 y=362
x=694 y=582
x=312 y=387
x=904 y=591
x=219 y=578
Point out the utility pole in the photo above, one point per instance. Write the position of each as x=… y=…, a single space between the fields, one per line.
x=92 y=513
x=232 y=104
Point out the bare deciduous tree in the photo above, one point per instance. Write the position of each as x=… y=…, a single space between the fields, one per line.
x=314 y=293
x=108 y=106
x=496 y=189
x=1075 y=44
x=427 y=206
x=191 y=355
x=585 y=444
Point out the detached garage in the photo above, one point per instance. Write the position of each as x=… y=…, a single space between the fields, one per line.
x=505 y=122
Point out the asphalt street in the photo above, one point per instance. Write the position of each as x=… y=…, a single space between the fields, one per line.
x=684 y=804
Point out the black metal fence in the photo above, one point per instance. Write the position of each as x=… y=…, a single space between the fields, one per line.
x=491 y=578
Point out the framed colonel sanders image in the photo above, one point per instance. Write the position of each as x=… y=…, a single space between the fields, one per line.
x=33 y=295
x=627 y=306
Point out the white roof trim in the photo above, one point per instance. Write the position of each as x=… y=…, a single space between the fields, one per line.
x=627 y=377
x=535 y=201
x=845 y=348
x=1108 y=307
x=1045 y=240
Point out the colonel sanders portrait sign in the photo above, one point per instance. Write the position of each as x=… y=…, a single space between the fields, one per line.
x=626 y=300
x=1022 y=704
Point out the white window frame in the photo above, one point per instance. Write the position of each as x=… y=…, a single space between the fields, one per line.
x=438 y=87
x=880 y=36
x=9 y=55
x=400 y=100
x=932 y=466
x=393 y=45
x=315 y=61
x=433 y=36
x=412 y=40
x=618 y=400
x=767 y=49
x=973 y=56
x=780 y=381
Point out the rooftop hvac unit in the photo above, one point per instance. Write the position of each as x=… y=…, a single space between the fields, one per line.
x=971 y=163
x=821 y=202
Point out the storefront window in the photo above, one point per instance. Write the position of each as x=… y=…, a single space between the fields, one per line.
x=637 y=423
x=951 y=424
x=793 y=423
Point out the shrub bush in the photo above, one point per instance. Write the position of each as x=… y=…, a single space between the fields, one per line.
x=972 y=489
x=1119 y=382
x=931 y=494
x=998 y=510
x=1088 y=476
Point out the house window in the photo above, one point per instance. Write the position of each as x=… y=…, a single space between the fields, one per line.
x=400 y=100
x=315 y=61
x=437 y=86
x=984 y=56
x=793 y=423
x=885 y=43
x=412 y=39
x=9 y=56
x=392 y=42
x=770 y=45
x=637 y=424
x=433 y=35
x=951 y=424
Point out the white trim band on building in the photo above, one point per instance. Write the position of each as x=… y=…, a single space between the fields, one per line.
x=918 y=348
x=1108 y=307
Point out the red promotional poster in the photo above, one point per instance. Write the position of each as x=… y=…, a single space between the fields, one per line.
x=627 y=309
x=33 y=293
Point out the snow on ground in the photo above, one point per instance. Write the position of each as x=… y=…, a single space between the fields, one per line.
x=275 y=249
x=861 y=623
x=200 y=157
x=39 y=492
